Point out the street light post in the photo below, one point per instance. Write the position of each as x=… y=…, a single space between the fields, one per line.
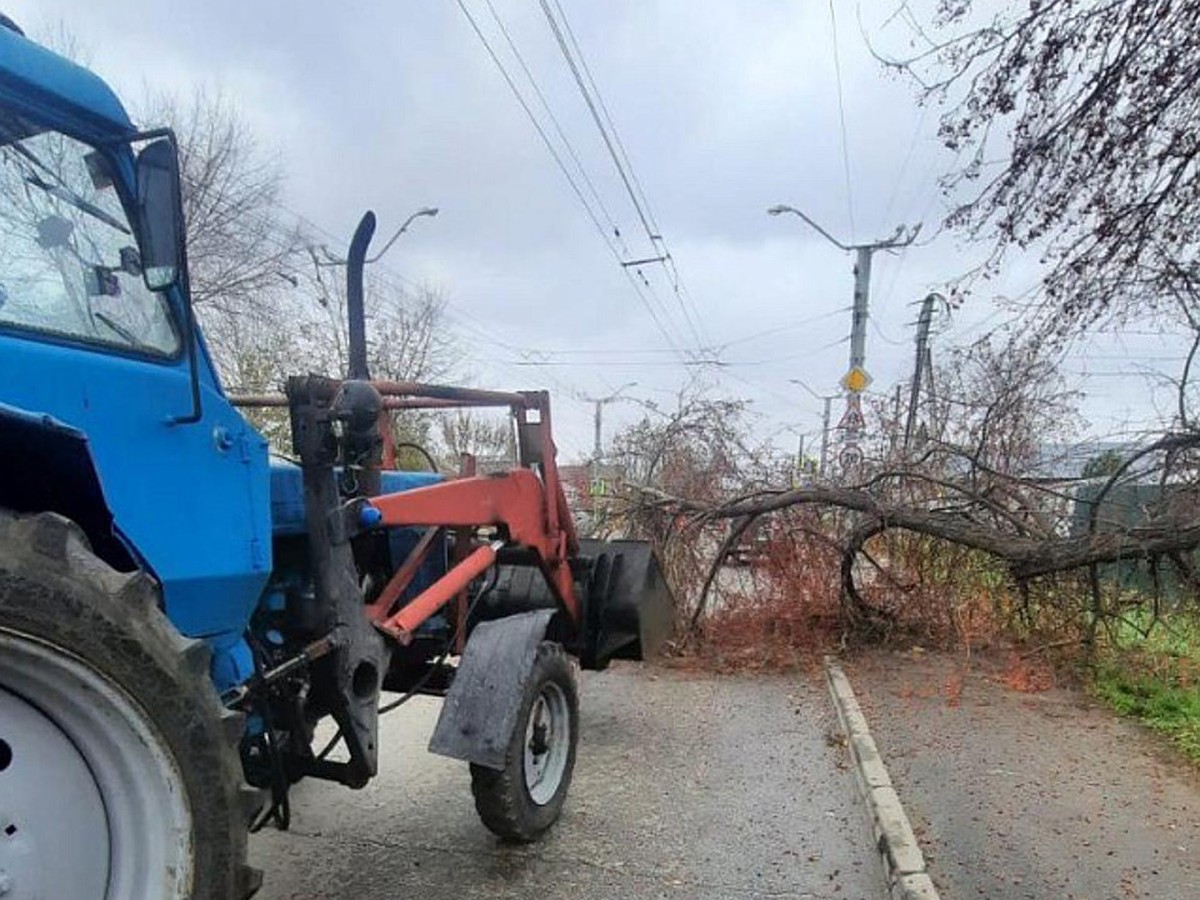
x=826 y=401
x=598 y=422
x=429 y=211
x=424 y=211
x=856 y=378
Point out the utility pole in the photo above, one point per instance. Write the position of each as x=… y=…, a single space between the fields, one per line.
x=825 y=438
x=924 y=363
x=856 y=380
x=598 y=417
x=894 y=437
x=826 y=400
x=798 y=465
x=598 y=428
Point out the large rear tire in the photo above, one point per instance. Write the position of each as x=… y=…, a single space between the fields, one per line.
x=523 y=799
x=119 y=773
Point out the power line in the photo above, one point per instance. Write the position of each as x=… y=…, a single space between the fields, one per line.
x=837 y=66
x=591 y=105
x=912 y=147
x=512 y=86
x=607 y=116
x=883 y=337
x=677 y=283
x=563 y=168
x=779 y=329
x=555 y=122
x=611 y=139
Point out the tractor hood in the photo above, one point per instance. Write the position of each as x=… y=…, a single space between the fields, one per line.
x=59 y=94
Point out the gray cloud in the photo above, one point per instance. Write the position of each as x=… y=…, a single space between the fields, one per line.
x=725 y=108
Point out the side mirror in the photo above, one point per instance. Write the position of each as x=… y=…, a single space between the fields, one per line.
x=160 y=214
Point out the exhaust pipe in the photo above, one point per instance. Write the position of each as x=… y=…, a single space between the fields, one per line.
x=355 y=304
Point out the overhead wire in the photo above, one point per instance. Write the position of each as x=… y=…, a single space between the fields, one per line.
x=402 y=285
x=908 y=157
x=779 y=329
x=607 y=116
x=554 y=121
x=565 y=171
x=837 y=66
x=592 y=108
x=620 y=158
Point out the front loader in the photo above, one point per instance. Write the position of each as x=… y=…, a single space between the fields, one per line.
x=189 y=625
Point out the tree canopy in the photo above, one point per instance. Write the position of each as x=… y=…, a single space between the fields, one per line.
x=1074 y=121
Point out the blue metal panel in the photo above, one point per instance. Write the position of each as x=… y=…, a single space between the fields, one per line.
x=192 y=499
x=38 y=80
x=287 y=520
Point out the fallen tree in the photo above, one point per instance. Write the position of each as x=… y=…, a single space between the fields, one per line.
x=971 y=520
x=977 y=481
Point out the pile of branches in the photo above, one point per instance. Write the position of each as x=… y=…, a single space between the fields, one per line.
x=981 y=476
x=1019 y=521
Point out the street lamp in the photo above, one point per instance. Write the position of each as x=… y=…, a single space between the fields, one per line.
x=601 y=402
x=429 y=211
x=781 y=208
x=856 y=378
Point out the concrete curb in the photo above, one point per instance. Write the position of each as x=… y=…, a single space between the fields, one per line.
x=903 y=862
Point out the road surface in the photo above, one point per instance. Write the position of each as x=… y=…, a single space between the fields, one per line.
x=1029 y=796
x=686 y=786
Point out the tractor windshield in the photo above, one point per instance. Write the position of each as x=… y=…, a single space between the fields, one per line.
x=69 y=263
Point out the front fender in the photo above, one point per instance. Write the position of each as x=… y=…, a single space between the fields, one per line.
x=47 y=466
x=481 y=708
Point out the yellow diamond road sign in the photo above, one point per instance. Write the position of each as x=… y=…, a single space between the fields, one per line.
x=856 y=380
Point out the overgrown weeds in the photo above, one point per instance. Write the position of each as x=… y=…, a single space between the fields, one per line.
x=1149 y=668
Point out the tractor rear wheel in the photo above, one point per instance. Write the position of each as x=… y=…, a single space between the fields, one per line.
x=525 y=798
x=119 y=774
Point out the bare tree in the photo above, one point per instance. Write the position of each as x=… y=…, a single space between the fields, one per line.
x=464 y=431
x=698 y=450
x=240 y=247
x=1076 y=124
x=271 y=302
x=408 y=337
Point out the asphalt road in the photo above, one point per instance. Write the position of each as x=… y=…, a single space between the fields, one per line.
x=686 y=786
x=1029 y=796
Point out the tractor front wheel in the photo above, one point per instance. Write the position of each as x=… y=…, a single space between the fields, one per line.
x=525 y=798
x=119 y=776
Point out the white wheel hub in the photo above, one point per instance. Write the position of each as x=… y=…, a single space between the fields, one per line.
x=92 y=805
x=547 y=743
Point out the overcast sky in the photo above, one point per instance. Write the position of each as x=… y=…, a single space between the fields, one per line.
x=725 y=108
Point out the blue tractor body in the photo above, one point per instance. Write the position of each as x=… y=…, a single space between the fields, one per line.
x=92 y=431
x=188 y=502
x=318 y=586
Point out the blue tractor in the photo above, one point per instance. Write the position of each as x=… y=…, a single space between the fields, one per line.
x=180 y=611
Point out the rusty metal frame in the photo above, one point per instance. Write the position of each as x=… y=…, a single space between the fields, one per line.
x=527 y=504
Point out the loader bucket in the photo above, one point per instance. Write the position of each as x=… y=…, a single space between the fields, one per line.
x=629 y=611
x=630 y=608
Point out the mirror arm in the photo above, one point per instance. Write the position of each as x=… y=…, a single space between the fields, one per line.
x=193 y=362
x=189 y=315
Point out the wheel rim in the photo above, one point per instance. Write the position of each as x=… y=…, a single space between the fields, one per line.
x=92 y=803
x=547 y=743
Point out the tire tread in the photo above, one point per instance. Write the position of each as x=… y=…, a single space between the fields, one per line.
x=55 y=589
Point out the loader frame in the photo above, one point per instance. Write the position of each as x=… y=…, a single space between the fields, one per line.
x=526 y=504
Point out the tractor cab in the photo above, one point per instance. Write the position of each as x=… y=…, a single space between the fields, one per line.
x=111 y=412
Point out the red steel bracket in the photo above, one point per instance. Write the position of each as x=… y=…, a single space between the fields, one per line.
x=515 y=501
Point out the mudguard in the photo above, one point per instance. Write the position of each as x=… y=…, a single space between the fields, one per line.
x=482 y=704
